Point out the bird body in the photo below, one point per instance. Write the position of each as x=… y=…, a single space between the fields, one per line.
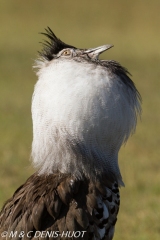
x=60 y=203
x=83 y=110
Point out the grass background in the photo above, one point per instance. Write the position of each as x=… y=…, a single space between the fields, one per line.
x=134 y=29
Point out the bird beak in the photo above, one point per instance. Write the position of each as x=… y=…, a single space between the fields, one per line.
x=95 y=52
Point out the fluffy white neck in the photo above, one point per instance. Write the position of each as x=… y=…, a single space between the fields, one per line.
x=81 y=117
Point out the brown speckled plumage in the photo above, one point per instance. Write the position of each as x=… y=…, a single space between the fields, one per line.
x=60 y=203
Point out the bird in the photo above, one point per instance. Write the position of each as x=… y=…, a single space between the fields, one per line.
x=83 y=110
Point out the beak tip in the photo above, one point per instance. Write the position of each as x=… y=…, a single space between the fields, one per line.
x=98 y=50
x=108 y=46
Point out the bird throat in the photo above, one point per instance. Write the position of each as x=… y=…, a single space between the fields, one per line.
x=81 y=117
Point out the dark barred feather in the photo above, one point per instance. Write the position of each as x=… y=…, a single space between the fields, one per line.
x=61 y=203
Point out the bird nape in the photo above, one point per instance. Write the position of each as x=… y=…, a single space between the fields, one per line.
x=83 y=110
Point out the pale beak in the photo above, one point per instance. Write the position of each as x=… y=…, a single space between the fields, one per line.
x=95 y=52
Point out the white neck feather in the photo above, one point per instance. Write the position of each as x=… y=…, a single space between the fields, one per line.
x=81 y=117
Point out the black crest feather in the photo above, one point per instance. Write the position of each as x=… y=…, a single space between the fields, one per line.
x=53 y=46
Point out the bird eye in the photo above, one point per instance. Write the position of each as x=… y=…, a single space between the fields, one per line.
x=66 y=52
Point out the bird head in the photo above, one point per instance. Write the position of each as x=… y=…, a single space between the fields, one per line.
x=83 y=110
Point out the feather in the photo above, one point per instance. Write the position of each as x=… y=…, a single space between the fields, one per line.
x=63 y=205
x=52 y=47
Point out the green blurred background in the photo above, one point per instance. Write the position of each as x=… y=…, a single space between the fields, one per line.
x=134 y=29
